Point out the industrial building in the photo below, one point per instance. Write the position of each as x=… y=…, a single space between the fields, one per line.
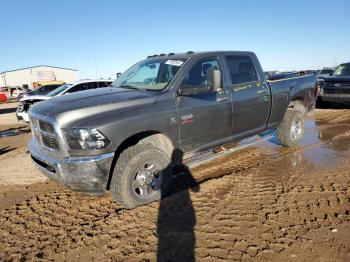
x=35 y=76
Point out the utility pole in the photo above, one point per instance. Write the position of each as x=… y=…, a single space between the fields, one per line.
x=334 y=62
x=96 y=72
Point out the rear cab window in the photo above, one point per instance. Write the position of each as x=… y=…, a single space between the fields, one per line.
x=241 y=69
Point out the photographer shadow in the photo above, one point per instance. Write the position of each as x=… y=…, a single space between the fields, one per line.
x=177 y=218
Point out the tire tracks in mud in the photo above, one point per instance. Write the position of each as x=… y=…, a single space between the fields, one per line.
x=253 y=204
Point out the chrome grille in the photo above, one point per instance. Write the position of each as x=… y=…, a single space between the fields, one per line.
x=46 y=127
x=49 y=142
x=336 y=91
x=45 y=134
x=338 y=84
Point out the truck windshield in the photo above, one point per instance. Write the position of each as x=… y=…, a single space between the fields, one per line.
x=150 y=75
x=325 y=71
x=59 y=90
x=342 y=70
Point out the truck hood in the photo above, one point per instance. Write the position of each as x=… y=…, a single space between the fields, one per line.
x=81 y=108
x=336 y=78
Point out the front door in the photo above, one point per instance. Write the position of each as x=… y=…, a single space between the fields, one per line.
x=204 y=118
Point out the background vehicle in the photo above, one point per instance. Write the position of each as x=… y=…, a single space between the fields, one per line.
x=336 y=87
x=306 y=72
x=10 y=92
x=326 y=71
x=42 y=90
x=3 y=94
x=282 y=75
x=73 y=87
x=3 y=97
x=162 y=112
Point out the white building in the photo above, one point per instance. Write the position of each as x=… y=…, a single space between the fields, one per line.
x=37 y=75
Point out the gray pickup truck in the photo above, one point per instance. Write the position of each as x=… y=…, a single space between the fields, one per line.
x=162 y=112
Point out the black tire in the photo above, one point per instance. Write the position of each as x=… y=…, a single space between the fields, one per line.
x=320 y=103
x=131 y=167
x=286 y=131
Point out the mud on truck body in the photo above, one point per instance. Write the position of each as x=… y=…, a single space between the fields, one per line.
x=164 y=110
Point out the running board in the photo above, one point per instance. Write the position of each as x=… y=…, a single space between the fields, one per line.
x=206 y=157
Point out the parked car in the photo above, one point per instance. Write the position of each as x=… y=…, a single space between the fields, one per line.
x=336 y=87
x=3 y=94
x=282 y=75
x=326 y=71
x=3 y=97
x=10 y=92
x=26 y=102
x=160 y=113
x=306 y=72
x=42 y=90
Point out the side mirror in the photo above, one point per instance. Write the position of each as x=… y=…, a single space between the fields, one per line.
x=214 y=80
x=119 y=75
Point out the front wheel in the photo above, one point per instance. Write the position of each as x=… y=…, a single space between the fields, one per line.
x=142 y=175
x=291 y=130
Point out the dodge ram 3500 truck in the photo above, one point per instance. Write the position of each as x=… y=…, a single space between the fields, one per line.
x=163 y=111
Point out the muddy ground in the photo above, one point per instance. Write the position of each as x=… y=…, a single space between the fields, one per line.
x=261 y=203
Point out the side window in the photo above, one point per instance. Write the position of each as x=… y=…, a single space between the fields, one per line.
x=77 y=88
x=92 y=85
x=197 y=76
x=102 y=84
x=241 y=69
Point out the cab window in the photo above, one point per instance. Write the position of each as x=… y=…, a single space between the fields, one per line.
x=241 y=69
x=197 y=76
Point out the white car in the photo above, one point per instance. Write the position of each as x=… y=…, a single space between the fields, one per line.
x=72 y=87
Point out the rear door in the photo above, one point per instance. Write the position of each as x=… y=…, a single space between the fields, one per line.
x=250 y=95
x=207 y=117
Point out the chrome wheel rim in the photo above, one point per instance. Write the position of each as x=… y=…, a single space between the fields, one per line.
x=147 y=181
x=296 y=130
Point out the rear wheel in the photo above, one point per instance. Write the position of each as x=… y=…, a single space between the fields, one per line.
x=291 y=130
x=142 y=175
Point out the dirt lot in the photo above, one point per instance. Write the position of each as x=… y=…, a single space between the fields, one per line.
x=262 y=203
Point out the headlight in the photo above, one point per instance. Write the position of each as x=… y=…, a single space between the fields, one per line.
x=85 y=138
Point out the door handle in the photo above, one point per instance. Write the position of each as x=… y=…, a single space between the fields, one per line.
x=222 y=99
x=262 y=92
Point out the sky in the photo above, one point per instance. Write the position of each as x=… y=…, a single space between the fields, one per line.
x=101 y=38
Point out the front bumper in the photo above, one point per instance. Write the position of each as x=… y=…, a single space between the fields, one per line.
x=335 y=98
x=83 y=174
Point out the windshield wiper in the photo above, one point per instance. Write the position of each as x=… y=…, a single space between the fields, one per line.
x=129 y=87
x=136 y=88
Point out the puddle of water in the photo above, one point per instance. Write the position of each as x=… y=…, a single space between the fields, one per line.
x=311 y=133
x=318 y=146
x=321 y=155
x=16 y=132
x=9 y=133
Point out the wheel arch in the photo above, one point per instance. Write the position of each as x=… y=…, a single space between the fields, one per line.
x=298 y=104
x=156 y=138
